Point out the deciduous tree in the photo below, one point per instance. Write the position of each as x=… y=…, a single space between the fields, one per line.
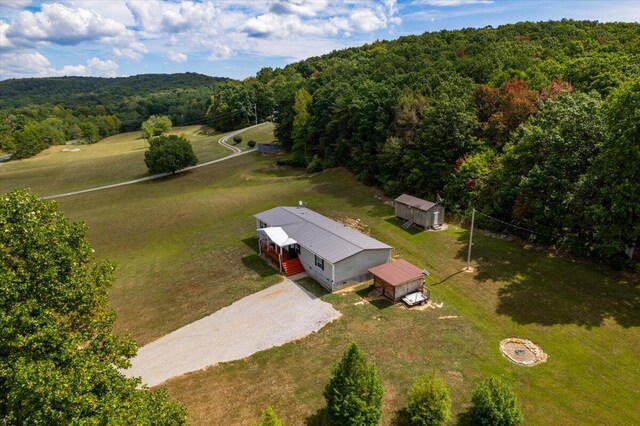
x=58 y=356
x=168 y=154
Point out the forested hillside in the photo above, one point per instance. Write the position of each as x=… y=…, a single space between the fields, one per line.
x=40 y=112
x=537 y=124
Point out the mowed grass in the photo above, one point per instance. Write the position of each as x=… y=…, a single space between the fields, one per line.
x=261 y=134
x=185 y=247
x=114 y=159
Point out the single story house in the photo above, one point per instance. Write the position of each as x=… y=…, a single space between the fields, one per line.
x=416 y=210
x=397 y=279
x=300 y=240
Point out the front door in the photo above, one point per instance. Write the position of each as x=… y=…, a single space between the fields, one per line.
x=294 y=250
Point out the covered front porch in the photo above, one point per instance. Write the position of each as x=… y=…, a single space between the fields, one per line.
x=282 y=249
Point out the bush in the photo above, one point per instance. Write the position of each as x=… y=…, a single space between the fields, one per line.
x=354 y=393
x=315 y=166
x=494 y=404
x=168 y=154
x=237 y=139
x=251 y=143
x=429 y=402
x=269 y=418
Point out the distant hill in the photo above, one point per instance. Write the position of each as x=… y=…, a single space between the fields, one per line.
x=72 y=92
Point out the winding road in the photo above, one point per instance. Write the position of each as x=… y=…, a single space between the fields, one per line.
x=222 y=141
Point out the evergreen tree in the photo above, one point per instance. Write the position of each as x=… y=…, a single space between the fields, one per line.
x=269 y=418
x=494 y=404
x=354 y=393
x=429 y=402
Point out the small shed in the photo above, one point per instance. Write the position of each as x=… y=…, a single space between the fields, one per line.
x=268 y=148
x=421 y=212
x=397 y=279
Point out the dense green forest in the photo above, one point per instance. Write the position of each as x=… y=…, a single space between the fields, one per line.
x=39 y=112
x=537 y=124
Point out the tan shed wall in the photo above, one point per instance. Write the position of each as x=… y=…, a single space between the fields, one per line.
x=419 y=217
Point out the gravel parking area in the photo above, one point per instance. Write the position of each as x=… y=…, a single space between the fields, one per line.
x=268 y=318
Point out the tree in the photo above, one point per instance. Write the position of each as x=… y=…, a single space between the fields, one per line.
x=269 y=418
x=429 y=402
x=155 y=126
x=494 y=404
x=58 y=356
x=300 y=132
x=354 y=392
x=611 y=188
x=168 y=154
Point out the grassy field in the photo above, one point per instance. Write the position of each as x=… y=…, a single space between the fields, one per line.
x=185 y=247
x=114 y=159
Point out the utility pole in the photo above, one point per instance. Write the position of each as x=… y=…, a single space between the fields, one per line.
x=255 y=110
x=473 y=216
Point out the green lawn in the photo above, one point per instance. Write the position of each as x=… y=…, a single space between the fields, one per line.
x=113 y=159
x=261 y=134
x=185 y=247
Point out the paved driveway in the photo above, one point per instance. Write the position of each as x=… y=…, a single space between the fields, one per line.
x=268 y=318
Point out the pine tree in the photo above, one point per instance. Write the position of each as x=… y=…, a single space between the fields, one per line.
x=354 y=393
x=269 y=418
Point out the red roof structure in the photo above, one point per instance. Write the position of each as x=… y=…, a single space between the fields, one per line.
x=397 y=272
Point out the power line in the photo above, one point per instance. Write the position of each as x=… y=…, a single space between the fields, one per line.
x=473 y=215
x=512 y=225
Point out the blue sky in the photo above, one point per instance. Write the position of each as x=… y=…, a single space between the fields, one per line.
x=236 y=38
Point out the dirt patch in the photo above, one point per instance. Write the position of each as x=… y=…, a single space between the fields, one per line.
x=356 y=224
x=522 y=351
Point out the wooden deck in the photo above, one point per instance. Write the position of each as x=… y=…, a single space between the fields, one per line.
x=273 y=253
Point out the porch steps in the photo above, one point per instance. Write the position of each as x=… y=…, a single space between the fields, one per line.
x=292 y=267
x=407 y=224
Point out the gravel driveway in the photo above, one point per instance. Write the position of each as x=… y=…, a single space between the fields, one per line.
x=268 y=318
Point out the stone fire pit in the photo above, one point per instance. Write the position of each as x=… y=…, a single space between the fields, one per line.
x=522 y=351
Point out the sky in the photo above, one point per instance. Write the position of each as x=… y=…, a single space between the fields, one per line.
x=234 y=38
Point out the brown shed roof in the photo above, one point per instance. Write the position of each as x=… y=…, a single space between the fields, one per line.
x=396 y=273
x=415 y=202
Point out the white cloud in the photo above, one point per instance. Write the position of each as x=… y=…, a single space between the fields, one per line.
x=112 y=9
x=4 y=41
x=220 y=51
x=16 y=4
x=155 y=17
x=22 y=64
x=94 y=68
x=62 y=25
x=450 y=3
x=176 y=57
x=298 y=7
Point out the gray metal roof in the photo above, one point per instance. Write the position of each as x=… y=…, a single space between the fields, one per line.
x=415 y=202
x=321 y=235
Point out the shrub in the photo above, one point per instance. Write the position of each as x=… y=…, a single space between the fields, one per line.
x=429 y=402
x=354 y=393
x=315 y=166
x=269 y=418
x=237 y=139
x=251 y=143
x=494 y=403
x=168 y=154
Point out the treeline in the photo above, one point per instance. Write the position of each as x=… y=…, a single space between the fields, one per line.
x=533 y=123
x=38 y=113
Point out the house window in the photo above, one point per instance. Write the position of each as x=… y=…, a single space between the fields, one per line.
x=320 y=262
x=263 y=225
x=296 y=247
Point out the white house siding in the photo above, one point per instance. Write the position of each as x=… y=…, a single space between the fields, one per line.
x=324 y=277
x=355 y=268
